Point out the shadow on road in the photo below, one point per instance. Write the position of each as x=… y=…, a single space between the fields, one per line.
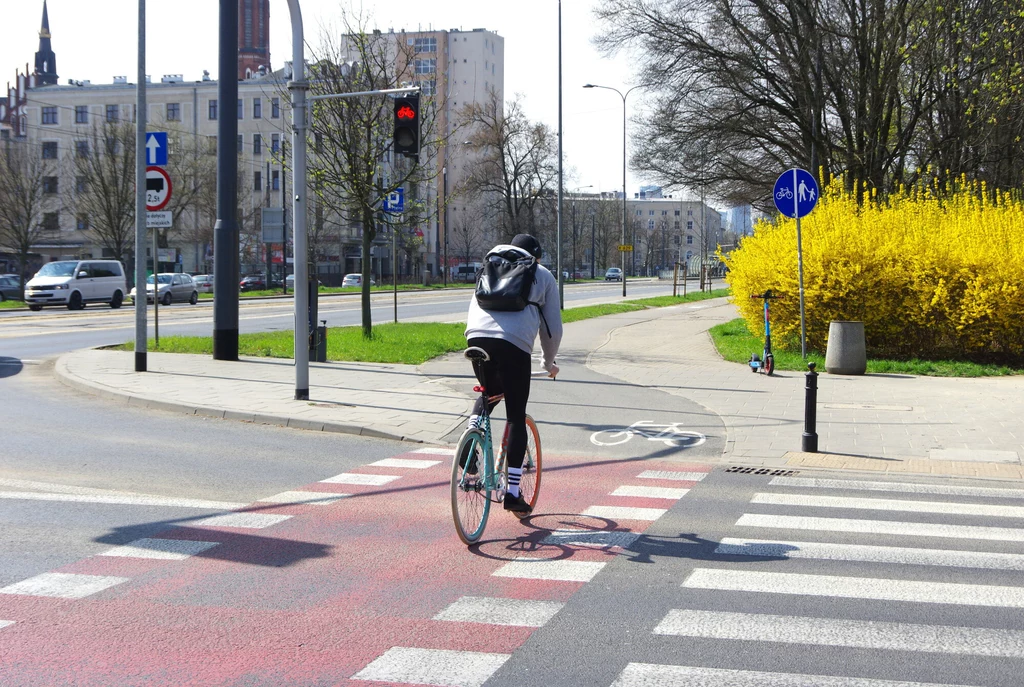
x=10 y=366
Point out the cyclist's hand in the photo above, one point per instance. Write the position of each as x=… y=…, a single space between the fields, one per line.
x=553 y=372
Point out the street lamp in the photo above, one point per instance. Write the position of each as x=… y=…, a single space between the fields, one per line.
x=623 y=96
x=573 y=191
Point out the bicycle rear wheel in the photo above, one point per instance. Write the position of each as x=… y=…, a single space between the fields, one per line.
x=529 y=483
x=470 y=496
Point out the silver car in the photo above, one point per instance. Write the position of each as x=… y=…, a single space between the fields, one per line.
x=172 y=287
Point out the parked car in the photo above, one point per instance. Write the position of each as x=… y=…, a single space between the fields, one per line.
x=289 y=282
x=10 y=289
x=613 y=274
x=203 y=283
x=76 y=282
x=253 y=282
x=466 y=272
x=172 y=287
x=355 y=280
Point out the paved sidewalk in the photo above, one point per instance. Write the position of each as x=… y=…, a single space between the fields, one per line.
x=889 y=423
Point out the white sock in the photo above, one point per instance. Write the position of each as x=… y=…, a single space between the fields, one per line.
x=514 y=475
x=474 y=421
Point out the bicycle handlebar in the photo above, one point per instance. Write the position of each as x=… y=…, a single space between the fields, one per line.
x=766 y=295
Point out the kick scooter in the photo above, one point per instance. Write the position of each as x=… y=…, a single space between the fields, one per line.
x=766 y=363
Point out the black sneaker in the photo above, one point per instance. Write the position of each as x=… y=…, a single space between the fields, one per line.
x=469 y=457
x=516 y=504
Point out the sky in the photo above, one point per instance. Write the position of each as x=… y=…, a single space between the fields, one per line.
x=182 y=39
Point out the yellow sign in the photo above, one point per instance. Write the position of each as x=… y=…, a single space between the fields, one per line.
x=626 y=249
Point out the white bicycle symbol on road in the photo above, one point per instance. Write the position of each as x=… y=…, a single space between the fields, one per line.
x=672 y=434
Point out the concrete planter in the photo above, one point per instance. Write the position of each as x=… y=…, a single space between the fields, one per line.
x=846 y=353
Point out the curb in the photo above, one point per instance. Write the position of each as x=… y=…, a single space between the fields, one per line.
x=68 y=378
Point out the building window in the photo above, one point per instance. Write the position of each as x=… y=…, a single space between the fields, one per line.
x=111 y=145
x=275 y=108
x=639 y=212
x=81 y=114
x=651 y=213
x=275 y=180
x=80 y=184
x=689 y=213
x=689 y=240
x=425 y=66
x=51 y=221
x=112 y=113
x=275 y=143
x=689 y=254
x=257 y=181
x=82 y=148
x=676 y=212
x=49 y=115
x=676 y=225
x=428 y=87
x=49 y=184
x=689 y=225
x=664 y=213
x=82 y=222
x=650 y=224
x=424 y=45
x=49 y=150
x=212 y=110
x=241 y=143
x=173 y=112
x=241 y=108
x=257 y=108
x=257 y=144
x=675 y=239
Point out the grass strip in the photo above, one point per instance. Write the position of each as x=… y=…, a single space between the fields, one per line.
x=735 y=343
x=8 y=304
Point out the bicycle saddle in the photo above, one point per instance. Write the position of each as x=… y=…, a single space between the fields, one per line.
x=476 y=353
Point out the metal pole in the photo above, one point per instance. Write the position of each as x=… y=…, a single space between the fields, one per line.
x=558 y=260
x=622 y=254
x=394 y=263
x=140 y=198
x=444 y=202
x=298 y=87
x=284 y=224
x=800 y=269
x=156 y=290
x=225 y=232
x=809 y=441
x=593 y=255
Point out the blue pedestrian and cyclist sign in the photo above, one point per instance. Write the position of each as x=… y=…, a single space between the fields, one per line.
x=796 y=193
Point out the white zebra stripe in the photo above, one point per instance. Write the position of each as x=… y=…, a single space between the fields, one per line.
x=676 y=476
x=63 y=585
x=360 y=478
x=862 y=634
x=491 y=611
x=773 y=548
x=548 y=569
x=161 y=549
x=405 y=463
x=624 y=512
x=875 y=589
x=432 y=667
x=885 y=527
x=650 y=492
x=653 y=675
x=907 y=488
x=938 y=507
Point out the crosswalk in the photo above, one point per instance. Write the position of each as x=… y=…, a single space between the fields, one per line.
x=848 y=568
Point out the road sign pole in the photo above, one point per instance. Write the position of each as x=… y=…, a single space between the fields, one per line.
x=140 y=197
x=799 y=265
x=156 y=289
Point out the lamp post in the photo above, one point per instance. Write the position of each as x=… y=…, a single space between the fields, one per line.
x=572 y=193
x=623 y=96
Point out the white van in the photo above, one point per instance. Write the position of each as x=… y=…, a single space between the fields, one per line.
x=76 y=282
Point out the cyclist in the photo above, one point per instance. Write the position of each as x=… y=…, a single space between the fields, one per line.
x=508 y=337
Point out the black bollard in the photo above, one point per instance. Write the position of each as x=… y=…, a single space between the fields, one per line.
x=810 y=437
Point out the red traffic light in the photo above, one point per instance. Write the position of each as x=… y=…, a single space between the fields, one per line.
x=405 y=112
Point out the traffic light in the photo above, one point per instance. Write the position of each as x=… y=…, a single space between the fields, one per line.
x=407 y=126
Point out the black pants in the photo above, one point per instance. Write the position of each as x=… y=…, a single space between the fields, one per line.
x=507 y=372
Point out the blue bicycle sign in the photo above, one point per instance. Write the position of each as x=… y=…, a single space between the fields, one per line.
x=796 y=193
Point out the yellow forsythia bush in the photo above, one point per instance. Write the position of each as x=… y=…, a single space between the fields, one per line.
x=930 y=274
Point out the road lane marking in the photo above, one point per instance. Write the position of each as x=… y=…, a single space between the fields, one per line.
x=871 y=588
x=304 y=498
x=161 y=549
x=5 y=623
x=894 y=505
x=600 y=538
x=436 y=451
x=433 y=667
x=125 y=500
x=650 y=492
x=405 y=463
x=677 y=476
x=491 y=611
x=63 y=585
x=862 y=634
x=252 y=521
x=354 y=478
x=624 y=512
x=654 y=675
x=770 y=548
x=546 y=569
x=885 y=527
x=909 y=488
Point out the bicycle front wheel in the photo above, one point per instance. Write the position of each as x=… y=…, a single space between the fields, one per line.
x=470 y=495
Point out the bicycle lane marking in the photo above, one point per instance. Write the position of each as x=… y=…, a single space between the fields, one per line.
x=327 y=592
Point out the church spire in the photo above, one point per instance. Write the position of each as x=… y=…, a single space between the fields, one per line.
x=46 y=60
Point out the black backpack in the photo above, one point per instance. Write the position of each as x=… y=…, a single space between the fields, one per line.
x=503 y=283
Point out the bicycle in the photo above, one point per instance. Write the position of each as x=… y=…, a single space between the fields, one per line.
x=766 y=363
x=477 y=481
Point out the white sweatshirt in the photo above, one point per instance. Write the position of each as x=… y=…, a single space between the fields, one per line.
x=521 y=327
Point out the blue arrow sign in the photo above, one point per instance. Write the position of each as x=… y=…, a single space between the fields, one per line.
x=156 y=148
x=395 y=201
x=796 y=193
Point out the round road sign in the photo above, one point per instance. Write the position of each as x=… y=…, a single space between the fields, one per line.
x=795 y=193
x=158 y=188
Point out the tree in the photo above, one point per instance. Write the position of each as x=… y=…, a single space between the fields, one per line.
x=515 y=170
x=23 y=200
x=104 y=190
x=352 y=168
x=468 y=239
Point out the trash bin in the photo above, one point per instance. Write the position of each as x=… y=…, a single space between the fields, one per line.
x=846 y=353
